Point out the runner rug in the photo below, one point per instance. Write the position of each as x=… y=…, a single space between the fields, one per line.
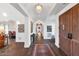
x=42 y=50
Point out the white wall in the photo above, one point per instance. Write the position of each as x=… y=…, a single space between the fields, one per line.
x=46 y=34
x=49 y=21
x=20 y=37
x=24 y=37
x=11 y=25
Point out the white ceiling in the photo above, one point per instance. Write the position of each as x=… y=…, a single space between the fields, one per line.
x=12 y=13
x=30 y=8
x=48 y=9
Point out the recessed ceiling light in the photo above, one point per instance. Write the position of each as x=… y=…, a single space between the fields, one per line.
x=4 y=14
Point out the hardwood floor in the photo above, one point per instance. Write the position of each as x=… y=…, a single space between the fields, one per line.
x=14 y=49
x=39 y=48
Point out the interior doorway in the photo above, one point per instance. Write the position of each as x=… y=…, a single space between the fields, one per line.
x=39 y=31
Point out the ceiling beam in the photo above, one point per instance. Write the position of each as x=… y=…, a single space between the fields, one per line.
x=52 y=8
x=17 y=6
x=24 y=9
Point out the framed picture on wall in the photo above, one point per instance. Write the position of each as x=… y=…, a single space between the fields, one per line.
x=20 y=28
x=49 y=28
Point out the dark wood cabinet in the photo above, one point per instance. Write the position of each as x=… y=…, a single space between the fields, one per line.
x=69 y=25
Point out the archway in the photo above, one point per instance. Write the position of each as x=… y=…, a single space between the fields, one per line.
x=39 y=29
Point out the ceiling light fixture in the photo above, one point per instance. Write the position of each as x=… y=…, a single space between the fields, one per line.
x=4 y=14
x=39 y=8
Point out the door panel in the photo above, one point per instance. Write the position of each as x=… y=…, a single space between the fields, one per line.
x=75 y=41
x=75 y=22
x=75 y=46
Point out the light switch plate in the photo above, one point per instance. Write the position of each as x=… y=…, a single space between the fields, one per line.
x=63 y=27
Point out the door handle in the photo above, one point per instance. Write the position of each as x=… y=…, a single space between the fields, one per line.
x=70 y=35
